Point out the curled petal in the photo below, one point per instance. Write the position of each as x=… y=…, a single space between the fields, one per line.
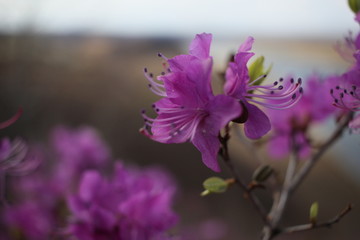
x=200 y=46
x=257 y=124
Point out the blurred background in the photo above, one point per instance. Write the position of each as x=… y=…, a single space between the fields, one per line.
x=81 y=63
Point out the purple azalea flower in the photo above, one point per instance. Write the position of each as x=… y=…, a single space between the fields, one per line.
x=31 y=219
x=131 y=205
x=240 y=86
x=189 y=111
x=347 y=93
x=78 y=150
x=294 y=122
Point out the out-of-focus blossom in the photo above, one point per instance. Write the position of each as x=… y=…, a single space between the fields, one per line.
x=132 y=204
x=77 y=151
x=290 y=125
x=248 y=92
x=15 y=158
x=30 y=219
x=189 y=110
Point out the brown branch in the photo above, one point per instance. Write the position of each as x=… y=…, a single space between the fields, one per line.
x=224 y=153
x=310 y=226
x=300 y=176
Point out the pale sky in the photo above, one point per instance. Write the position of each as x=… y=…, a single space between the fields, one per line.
x=283 y=18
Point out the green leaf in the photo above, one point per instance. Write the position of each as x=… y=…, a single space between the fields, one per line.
x=262 y=173
x=314 y=210
x=214 y=185
x=354 y=5
x=256 y=70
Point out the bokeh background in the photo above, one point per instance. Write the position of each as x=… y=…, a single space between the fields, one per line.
x=81 y=63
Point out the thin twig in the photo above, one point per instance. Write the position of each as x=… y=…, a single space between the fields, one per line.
x=310 y=226
x=299 y=177
x=291 y=185
x=248 y=193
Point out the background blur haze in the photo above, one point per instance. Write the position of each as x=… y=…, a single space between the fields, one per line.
x=80 y=63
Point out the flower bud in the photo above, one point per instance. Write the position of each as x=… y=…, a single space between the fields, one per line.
x=215 y=185
x=314 y=210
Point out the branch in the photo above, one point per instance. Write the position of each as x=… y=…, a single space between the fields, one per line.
x=298 y=178
x=248 y=193
x=310 y=226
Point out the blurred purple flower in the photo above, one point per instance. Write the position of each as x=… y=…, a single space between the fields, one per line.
x=239 y=85
x=131 y=205
x=78 y=150
x=189 y=109
x=292 y=124
x=31 y=219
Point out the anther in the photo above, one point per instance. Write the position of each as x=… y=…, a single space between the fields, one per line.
x=157 y=110
x=336 y=101
x=345 y=91
x=159 y=54
x=149 y=85
x=342 y=95
x=351 y=93
x=153 y=105
x=354 y=87
x=293 y=96
x=299 y=80
x=275 y=83
x=301 y=90
x=264 y=76
x=337 y=87
x=143 y=111
x=331 y=91
x=145 y=70
x=151 y=75
x=162 y=73
x=292 y=80
x=281 y=79
x=280 y=87
x=272 y=92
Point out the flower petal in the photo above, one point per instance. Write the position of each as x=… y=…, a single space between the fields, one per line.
x=200 y=46
x=222 y=109
x=247 y=45
x=257 y=124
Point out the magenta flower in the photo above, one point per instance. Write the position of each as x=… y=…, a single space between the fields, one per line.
x=189 y=111
x=131 y=205
x=78 y=150
x=294 y=122
x=240 y=86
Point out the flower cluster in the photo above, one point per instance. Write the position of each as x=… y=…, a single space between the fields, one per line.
x=70 y=198
x=346 y=93
x=290 y=126
x=189 y=111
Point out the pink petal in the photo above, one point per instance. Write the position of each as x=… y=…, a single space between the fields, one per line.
x=257 y=124
x=200 y=46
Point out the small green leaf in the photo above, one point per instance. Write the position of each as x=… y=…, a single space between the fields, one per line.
x=215 y=185
x=354 y=5
x=262 y=173
x=256 y=70
x=314 y=210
